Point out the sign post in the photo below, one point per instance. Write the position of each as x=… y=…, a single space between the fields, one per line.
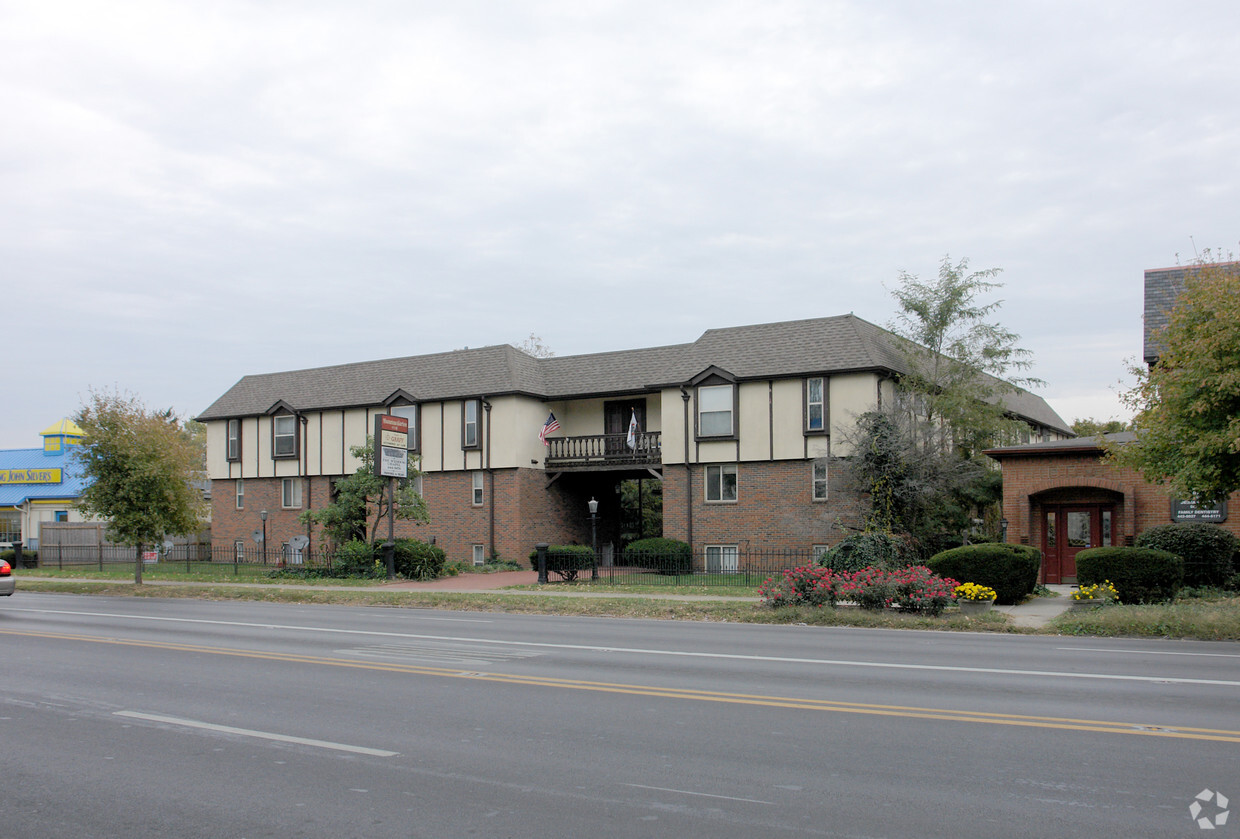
x=391 y=462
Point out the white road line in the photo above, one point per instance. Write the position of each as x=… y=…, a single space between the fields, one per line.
x=265 y=735
x=830 y=662
x=702 y=794
x=1146 y=652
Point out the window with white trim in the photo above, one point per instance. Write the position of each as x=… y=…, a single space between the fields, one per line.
x=284 y=435
x=722 y=559
x=415 y=483
x=715 y=405
x=240 y=494
x=478 y=494
x=239 y=550
x=819 y=479
x=480 y=555
x=469 y=424
x=290 y=493
x=721 y=482
x=234 y=440
x=815 y=404
x=819 y=551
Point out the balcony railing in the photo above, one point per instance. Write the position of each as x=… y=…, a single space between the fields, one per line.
x=604 y=450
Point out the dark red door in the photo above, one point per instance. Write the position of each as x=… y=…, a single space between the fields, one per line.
x=1067 y=532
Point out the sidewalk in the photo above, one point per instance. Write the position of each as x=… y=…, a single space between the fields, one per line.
x=1033 y=613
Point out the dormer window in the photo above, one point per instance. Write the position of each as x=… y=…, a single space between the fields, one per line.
x=469 y=424
x=234 y=440
x=284 y=436
x=716 y=409
x=815 y=404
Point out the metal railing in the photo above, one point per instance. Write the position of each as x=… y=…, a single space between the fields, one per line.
x=740 y=568
x=190 y=557
x=605 y=449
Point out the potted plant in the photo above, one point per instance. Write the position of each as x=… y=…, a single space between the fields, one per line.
x=1099 y=594
x=973 y=598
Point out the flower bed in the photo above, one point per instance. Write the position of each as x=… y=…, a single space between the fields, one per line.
x=916 y=589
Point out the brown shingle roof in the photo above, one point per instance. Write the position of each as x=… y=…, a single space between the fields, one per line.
x=839 y=344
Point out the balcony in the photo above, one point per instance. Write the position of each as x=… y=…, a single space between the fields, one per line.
x=604 y=451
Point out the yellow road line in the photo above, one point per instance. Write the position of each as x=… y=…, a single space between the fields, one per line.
x=904 y=711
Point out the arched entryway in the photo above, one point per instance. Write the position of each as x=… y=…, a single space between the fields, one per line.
x=1068 y=529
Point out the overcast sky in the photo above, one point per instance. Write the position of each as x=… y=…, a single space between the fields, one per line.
x=192 y=192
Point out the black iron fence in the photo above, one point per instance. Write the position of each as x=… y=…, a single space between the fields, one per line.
x=189 y=557
x=721 y=566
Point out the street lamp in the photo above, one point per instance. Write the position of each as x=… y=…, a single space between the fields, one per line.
x=594 y=539
x=263 y=516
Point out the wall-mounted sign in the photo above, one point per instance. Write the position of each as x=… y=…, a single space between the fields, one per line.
x=391 y=446
x=1191 y=511
x=29 y=476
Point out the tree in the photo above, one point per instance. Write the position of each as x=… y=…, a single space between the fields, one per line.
x=931 y=494
x=1090 y=427
x=534 y=346
x=363 y=495
x=140 y=467
x=960 y=363
x=1187 y=406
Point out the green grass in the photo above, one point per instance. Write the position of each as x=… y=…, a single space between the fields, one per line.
x=201 y=572
x=1205 y=619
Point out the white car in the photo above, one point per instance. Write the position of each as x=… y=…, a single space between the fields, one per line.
x=7 y=581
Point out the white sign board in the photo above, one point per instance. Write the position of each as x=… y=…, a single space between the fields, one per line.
x=393 y=463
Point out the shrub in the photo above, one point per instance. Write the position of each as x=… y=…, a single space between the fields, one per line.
x=566 y=561
x=870 y=550
x=1011 y=570
x=356 y=559
x=668 y=556
x=804 y=586
x=918 y=589
x=1207 y=550
x=418 y=560
x=1140 y=575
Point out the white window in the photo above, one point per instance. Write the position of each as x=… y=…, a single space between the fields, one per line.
x=721 y=482
x=410 y=413
x=469 y=430
x=715 y=411
x=234 y=439
x=819 y=551
x=284 y=436
x=240 y=493
x=820 y=480
x=239 y=550
x=415 y=483
x=480 y=556
x=815 y=404
x=290 y=493
x=721 y=559
x=478 y=494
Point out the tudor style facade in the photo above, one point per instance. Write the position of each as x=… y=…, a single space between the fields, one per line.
x=743 y=428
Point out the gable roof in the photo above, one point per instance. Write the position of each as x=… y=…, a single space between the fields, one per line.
x=831 y=345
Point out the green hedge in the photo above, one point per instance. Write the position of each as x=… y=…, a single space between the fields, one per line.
x=1208 y=551
x=871 y=550
x=1140 y=575
x=1011 y=570
x=417 y=560
x=566 y=561
x=668 y=556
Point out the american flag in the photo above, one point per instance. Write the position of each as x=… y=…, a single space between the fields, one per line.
x=552 y=424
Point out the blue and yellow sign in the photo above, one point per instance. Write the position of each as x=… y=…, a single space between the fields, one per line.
x=29 y=476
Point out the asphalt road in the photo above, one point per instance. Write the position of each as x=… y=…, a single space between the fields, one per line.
x=126 y=717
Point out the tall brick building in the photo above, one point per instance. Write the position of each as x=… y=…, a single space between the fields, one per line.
x=743 y=429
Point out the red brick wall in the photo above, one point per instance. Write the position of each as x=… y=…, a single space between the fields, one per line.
x=773 y=511
x=1032 y=482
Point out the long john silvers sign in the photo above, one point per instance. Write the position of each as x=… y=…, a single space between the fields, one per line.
x=391 y=446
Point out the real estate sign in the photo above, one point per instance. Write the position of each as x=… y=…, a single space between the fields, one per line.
x=391 y=446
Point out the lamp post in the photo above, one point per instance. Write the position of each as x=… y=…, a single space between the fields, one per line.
x=263 y=516
x=593 y=539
